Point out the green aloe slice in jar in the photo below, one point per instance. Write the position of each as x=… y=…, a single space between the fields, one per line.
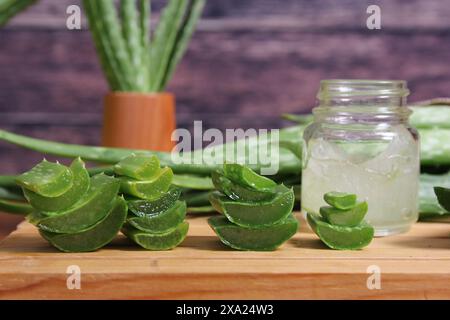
x=347 y=218
x=148 y=189
x=142 y=208
x=161 y=222
x=340 y=200
x=254 y=239
x=92 y=239
x=247 y=177
x=255 y=214
x=237 y=192
x=443 y=195
x=139 y=167
x=89 y=210
x=47 y=179
x=157 y=241
x=339 y=237
x=79 y=187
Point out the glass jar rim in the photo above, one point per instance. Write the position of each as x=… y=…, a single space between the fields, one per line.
x=338 y=88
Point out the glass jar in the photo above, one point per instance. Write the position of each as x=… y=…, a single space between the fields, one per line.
x=360 y=142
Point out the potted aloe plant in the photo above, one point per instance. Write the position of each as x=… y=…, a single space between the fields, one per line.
x=138 y=63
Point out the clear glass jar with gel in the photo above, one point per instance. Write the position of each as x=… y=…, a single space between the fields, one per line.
x=361 y=142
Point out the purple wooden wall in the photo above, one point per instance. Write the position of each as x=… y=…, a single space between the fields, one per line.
x=249 y=62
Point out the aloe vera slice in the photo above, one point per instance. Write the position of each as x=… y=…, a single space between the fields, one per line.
x=247 y=177
x=237 y=192
x=92 y=239
x=142 y=208
x=339 y=237
x=340 y=200
x=139 y=167
x=162 y=222
x=157 y=241
x=47 y=179
x=254 y=239
x=149 y=189
x=80 y=185
x=255 y=214
x=89 y=210
x=443 y=195
x=346 y=218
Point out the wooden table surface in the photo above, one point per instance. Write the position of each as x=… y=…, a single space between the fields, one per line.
x=413 y=265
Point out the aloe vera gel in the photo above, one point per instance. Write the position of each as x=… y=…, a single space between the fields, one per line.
x=361 y=143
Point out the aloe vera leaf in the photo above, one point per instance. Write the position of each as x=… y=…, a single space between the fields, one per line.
x=443 y=196
x=428 y=203
x=111 y=33
x=255 y=214
x=340 y=200
x=8 y=194
x=161 y=222
x=47 y=179
x=196 y=199
x=164 y=40
x=192 y=182
x=184 y=35
x=428 y=117
x=87 y=212
x=433 y=147
x=140 y=167
x=298 y=118
x=102 y=46
x=132 y=37
x=79 y=187
x=8 y=181
x=247 y=177
x=94 y=238
x=148 y=189
x=145 y=9
x=347 y=218
x=143 y=208
x=239 y=193
x=10 y=8
x=339 y=237
x=254 y=239
x=288 y=162
x=203 y=209
x=15 y=207
x=157 y=241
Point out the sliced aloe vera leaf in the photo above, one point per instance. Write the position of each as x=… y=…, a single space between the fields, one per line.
x=161 y=222
x=157 y=241
x=443 y=196
x=237 y=192
x=89 y=210
x=346 y=218
x=47 y=179
x=79 y=187
x=148 y=189
x=255 y=214
x=142 y=208
x=189 y=181
x=339 y=237
x=247 y=177
x=254 y=239
x=340 y=200
x=139 y=167
x=92 y=239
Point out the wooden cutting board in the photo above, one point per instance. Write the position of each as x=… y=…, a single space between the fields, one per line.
x=413 y=265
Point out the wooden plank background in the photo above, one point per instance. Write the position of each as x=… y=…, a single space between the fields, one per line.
x=248 y=58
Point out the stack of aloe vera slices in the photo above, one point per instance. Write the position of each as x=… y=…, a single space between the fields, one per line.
x=257 y=212
x=74 y=212
x=341 y=225
x=156 y=219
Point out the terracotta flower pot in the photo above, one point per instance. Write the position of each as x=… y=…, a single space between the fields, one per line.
x=139 y=121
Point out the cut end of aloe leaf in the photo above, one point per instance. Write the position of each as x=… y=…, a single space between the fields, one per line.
x=247 y=177
x=139 y=167
x=443 y=196
x=339 y=237
x=47 y=179
x=143 y=208
x=253 y=239
x=148 y=189
x=340 y=200
x=347 y=218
